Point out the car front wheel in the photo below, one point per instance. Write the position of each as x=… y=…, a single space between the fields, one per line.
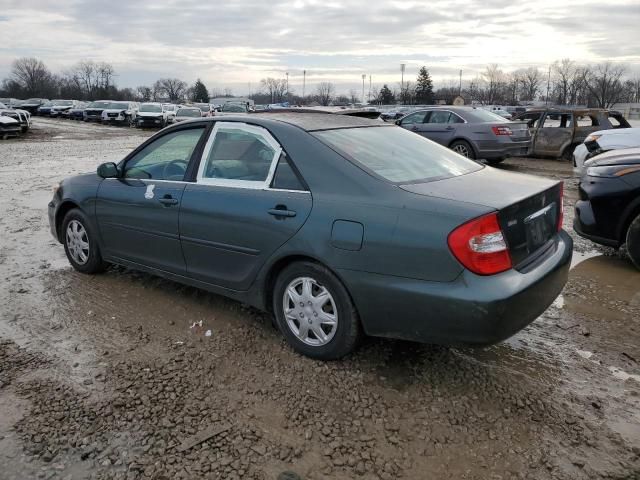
x=80 y=244
x=633 y=242
x=314 y=312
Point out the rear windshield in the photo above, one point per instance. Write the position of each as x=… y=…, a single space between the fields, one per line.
x=479 y=115
x=230 y=107
x=396 y=154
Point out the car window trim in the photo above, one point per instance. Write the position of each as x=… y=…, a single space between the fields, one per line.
x=233 y=183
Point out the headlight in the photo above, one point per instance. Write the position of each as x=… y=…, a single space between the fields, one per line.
x=612 y=171
x=592 y=138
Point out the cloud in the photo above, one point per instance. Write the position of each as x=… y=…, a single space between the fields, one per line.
x=238 y=42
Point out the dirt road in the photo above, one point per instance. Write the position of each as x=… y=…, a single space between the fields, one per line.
x=101 y=376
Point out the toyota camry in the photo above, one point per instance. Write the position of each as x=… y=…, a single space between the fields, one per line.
x=339 y=226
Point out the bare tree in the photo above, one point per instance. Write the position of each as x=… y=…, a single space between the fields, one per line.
x=325 y=91
x=569 y=82
x=33 y=76
x=144 y=93
x=531 y=79
x=604 y=84
x=495 y=82
x=275 y=88
x=174 y=88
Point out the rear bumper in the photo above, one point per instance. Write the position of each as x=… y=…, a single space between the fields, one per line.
x=496 y=149
x=471 y=310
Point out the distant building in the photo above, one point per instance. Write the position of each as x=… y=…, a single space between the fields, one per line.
x=223 y=100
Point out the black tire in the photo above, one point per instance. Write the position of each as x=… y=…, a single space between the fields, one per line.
x=94 y=262
x=463 y=148
x=347 y=329
x=633 y=242
x=495 y=161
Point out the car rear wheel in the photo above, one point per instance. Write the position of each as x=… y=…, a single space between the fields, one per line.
x=463 y=148
x=80 y=243
x=633 y=242
x=314 y=312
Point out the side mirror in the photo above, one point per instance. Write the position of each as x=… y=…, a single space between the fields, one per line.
x=398 y=122
x=108 y=170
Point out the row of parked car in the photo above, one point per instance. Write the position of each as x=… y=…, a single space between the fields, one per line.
x=134 y=114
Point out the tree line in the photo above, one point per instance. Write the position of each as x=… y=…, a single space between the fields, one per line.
x=566 y=82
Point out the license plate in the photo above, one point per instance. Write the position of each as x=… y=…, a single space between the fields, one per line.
x=539 y=227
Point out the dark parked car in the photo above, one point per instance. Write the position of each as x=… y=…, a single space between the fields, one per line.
x=608 y=211
x=77 y=113
x=338 y=225
x=44 y=110
x=472 y=132
x=31 y=105
x=557 y=131
x=93 y=112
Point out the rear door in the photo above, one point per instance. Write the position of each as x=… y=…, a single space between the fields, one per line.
x=247 y=201
x=138 y=213
x=440 y=126
x=554 y=134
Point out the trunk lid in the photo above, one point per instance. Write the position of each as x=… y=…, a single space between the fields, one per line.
x=528 y=207
x=520 y=131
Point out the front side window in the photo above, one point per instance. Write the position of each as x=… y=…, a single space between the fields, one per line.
x=238 y=152
x=397 y=155
x=414 y=118
x=166 y=158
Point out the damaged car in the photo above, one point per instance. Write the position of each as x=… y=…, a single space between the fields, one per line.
x=604 y=141
x=93 y=111
x=120 y=113
x=339 y=226
x=9 y=127
x=23 y=117
x=556 y=131
x=608 y=210
x=152 y=115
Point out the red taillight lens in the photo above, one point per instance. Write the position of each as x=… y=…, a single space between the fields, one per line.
x=502 y=131
x=561 y=204
x=480 y=246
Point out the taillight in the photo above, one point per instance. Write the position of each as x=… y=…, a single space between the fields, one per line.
x=502 y=131
x=480 y=246
x=561 y=204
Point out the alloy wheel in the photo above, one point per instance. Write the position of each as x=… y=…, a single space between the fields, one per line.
x=462 y=150
x=310 y=311
x=77 y=242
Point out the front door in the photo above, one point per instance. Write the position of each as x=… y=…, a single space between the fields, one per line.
x=554 y=134
x=138 y=213
x=247 y=201
x=414 y=121
x=440 y=126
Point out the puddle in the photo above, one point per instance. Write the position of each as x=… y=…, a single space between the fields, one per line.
x=579 y=257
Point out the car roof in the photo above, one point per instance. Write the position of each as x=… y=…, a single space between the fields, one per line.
x=576 y=110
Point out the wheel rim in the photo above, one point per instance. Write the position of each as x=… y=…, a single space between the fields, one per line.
x=462 y=150
x=310 y=311
x=77 y=242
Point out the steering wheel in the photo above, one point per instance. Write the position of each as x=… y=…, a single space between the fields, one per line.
x=174 y=168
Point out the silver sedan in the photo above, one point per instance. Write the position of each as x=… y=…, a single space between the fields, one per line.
x=472 y=132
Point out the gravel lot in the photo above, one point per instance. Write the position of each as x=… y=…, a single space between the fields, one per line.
x=101 y=377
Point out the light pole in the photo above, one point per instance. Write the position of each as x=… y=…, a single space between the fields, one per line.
x=402 y=65
x=364 y=76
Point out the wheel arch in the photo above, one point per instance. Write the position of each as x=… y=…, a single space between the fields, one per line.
x=632 y=211
x=62 y=210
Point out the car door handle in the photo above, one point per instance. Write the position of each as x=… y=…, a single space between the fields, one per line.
x=449 y=127
x=168 y=200
x=281 y=211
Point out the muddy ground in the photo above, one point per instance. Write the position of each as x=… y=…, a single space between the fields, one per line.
x=101 y=377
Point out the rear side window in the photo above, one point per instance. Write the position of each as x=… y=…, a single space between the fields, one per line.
x=587 y=121
x=397 y=155
x=558 y=120
x=285 y=177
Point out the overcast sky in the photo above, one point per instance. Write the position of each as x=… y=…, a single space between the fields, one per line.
x=236 y=42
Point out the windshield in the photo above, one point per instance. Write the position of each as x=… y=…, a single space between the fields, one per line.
x=62 y=103
x=33 y=100
x=117 y=106
x=231 y=107
x=150 y=108
x=479 y=115
x=98 y=104
x=47 y=104
x=188 y=112
x=204 y=108
x=396 y=154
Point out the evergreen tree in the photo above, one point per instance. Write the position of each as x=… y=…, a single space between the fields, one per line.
x=199 y=92
x=386 y=96
x=424 y=87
